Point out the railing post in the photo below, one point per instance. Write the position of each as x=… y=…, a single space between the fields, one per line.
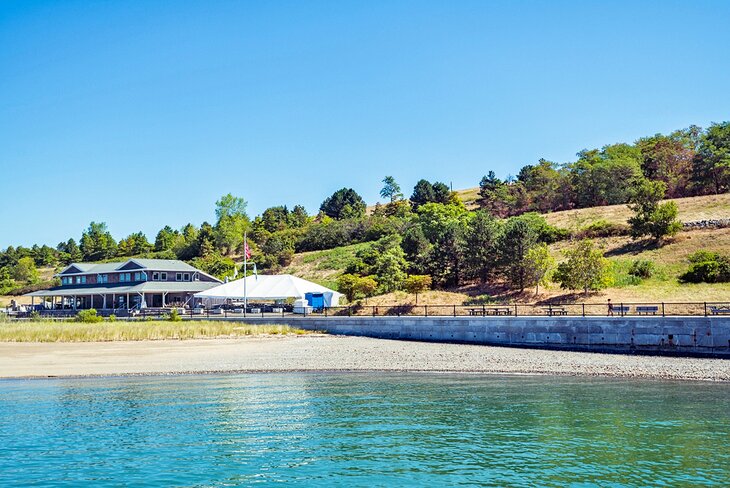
x=705 y=309
x=454 y=310
x=373 y=311
x=622 y=309
x=325 y=311
x=515 y=310
x=425 y=310
x=349 y=311
x=584 y=309
x=662 y=309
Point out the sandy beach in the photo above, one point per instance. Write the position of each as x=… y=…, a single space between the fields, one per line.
x=332 y=353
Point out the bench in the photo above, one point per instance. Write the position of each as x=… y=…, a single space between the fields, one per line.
x=647 y=309
x=619 y=309
x=722 y=310
x=551 y=311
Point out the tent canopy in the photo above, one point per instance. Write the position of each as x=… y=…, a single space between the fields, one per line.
x=270 y=287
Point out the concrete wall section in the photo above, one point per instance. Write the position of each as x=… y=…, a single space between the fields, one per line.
x=665 y=335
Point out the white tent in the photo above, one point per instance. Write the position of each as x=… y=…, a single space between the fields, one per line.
x=270 y=287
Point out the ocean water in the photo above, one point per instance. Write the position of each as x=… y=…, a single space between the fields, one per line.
x=363 y=430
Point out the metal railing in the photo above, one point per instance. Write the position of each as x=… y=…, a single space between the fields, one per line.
x=620 y=309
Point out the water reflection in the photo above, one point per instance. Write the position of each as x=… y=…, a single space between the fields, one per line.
x=363 y=429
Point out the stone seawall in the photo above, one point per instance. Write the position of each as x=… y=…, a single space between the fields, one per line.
x=659 y=335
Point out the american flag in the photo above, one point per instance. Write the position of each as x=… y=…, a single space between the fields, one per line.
x=246 y=250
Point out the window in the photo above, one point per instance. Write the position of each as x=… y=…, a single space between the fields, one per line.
x=81 y=280
x=186 y=277
x=102 y=278
x=155 y=276
x=178 y=277
x=163 y=276
x=125 y=277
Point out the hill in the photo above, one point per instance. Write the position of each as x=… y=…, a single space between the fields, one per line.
x=670 y=260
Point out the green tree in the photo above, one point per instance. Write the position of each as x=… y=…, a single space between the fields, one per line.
x=25 y=271
x=343 y=204
x=70 y=251
x=605 y=177
x=275 y=218
x=650 y=217
x=517 y=238
x=97 y=243
x=230 y=206
x=134 y=245
x=585 y=268
x=366 y=286
x=298 y=217
x=390 y=269
x=711 y=165
x=481 y=241
x=165 y=239
x=391 y=189
x=232 y=223
x=539 y=263
x=668 y=158
x=417 y=284
x=353 y=286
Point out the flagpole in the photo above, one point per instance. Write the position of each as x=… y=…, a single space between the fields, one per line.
x=245 y=269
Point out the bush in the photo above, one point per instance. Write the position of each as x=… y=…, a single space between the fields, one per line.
x=707 y=267
x=88 y=316
x=603 y=228
x=112 y=318
x=642 y=268
x=174 y=316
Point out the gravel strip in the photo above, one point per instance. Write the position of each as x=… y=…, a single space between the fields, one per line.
x=333 y=353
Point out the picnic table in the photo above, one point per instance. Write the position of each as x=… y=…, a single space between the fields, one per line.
x=551 y=311
x=482 y=311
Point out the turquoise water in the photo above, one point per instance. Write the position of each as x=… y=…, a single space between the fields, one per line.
x=363 y=430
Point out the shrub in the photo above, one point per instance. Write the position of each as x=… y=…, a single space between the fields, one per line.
x=174 y=316
x=707 y=267
x=112 y=318
x=642 y=268
x=603 y=228
x=88 y=316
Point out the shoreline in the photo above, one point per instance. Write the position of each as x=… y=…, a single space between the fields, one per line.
x=332 y=354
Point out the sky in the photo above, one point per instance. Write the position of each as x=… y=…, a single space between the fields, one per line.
x=142 y=114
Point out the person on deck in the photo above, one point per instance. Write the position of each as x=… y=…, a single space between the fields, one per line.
x=610 y=308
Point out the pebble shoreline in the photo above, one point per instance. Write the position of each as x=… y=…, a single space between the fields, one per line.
x=333 y=354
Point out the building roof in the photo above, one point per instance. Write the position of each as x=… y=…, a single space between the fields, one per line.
x=151 y=264
x=122 y=288
x=266 y=287
x=133 y=264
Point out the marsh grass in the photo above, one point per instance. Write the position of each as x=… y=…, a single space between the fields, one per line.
x=66 y=331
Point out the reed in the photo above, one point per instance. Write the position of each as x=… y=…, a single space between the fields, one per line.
x=66 y=331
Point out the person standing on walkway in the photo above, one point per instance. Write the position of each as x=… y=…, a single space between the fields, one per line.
x=610 y=308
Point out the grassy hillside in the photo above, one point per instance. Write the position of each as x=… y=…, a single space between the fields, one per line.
x=323 y=267
x=670 y=260
x=690 y=209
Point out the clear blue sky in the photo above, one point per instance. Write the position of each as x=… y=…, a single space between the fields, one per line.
x=142 y=113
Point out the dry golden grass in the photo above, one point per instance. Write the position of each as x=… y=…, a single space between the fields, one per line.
x=691 y=208
x=16 y=331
